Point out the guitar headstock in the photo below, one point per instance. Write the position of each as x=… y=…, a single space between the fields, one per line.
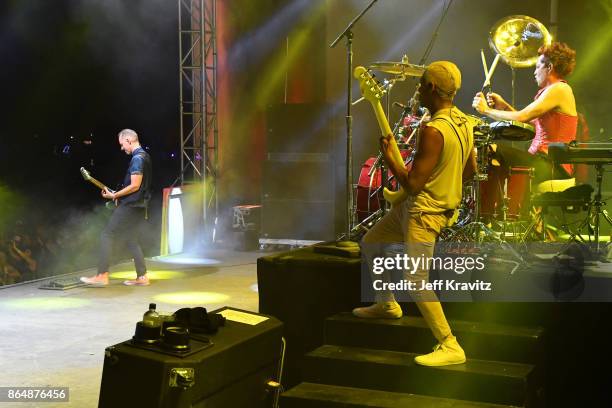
x=85 y=174
x=371 y=89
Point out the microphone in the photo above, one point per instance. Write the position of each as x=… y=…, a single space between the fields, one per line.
x=420 y=111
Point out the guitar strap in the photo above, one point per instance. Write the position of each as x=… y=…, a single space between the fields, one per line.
x=452 y=219
x=458 y=138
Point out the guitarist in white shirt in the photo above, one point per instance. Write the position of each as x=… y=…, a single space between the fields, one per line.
x=432 y=190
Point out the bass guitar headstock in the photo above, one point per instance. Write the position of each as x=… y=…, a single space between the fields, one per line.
x=85 y=174
x=371 y=89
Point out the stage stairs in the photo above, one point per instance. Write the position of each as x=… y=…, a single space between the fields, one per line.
x=369 y=363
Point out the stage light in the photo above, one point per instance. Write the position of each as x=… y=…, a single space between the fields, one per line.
x=191 y=298
x=398 y=46
x=46 y=303
x=591 y=59
x=175 y=222
x=256 y=44
x=584 y=238
x=153 y=275
x=187 y=260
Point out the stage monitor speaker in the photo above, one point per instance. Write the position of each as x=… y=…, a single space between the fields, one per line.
x=232 y=370
x=299 y=128
x=298 y=173
x=297 y=219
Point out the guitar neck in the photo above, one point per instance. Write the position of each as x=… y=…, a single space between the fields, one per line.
x=99 y=184
x=372 y=91
x=383 y=123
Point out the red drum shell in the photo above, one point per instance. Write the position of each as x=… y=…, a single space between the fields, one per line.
x=367 y=203
x=518 y=189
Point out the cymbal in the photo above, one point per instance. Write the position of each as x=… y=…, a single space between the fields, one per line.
x=398 y=68
x=518 y=38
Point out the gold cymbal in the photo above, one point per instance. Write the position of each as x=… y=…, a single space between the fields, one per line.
x=517 y=39
x=398 y=68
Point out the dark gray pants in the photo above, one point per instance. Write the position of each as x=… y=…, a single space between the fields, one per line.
x=124 y=225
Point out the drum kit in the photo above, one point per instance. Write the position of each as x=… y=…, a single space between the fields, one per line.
x=485 y=199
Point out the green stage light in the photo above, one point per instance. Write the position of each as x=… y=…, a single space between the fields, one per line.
x=590 y=60
x=46 y=303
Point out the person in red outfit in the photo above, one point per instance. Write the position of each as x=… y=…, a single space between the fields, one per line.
x=553 y=113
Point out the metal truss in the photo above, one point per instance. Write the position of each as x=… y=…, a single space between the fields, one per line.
x=198 y=103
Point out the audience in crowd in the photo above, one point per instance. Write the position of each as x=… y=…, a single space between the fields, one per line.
x=27 y=253
x=8 y=273
x=34 y=245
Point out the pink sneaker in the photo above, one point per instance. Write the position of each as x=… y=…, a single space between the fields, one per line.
x=139 y=281
x=100 y=279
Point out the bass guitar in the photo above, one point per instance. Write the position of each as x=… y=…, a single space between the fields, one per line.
x=373 y=91
x=88 y=177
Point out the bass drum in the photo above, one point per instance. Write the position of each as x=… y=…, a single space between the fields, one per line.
x=367 y=200
x=368 y=195
x=517 y=181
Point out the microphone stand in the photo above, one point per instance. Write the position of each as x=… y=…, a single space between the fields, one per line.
x=348 y=33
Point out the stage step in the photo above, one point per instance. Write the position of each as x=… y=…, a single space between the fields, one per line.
x=510 y=313
x=485 y=341
x=309 y=395
x=475 y=380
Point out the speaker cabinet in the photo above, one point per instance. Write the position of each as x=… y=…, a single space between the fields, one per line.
x=298 y=173
x=232 y=372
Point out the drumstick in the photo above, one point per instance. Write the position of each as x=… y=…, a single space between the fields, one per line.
x=484 y=62
x=487 y=81
x=486 y=87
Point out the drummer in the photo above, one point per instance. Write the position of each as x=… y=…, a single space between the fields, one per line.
x=553 y=113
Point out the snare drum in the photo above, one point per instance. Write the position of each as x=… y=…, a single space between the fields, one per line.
x=512 y=130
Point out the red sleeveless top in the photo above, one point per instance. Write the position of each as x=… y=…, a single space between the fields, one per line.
x=553 y=127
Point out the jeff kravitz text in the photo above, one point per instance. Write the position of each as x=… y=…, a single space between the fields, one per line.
x=410 y=265
x=438 y=284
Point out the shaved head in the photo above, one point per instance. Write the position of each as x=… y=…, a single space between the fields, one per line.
x=128 y=134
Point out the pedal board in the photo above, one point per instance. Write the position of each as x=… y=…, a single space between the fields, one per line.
x=63 y=283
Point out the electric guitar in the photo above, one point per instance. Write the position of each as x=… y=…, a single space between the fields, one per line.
x=88 y=177
x=373 y=92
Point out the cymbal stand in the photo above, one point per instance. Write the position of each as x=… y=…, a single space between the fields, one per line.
x=405 y=145
x=476 y=231
x=372 y=219
x=396 y=134
x=505 y=206
x=364 y=226
x=348 y=33
x=597 y=204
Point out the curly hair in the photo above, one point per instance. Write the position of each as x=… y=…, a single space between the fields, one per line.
x=561 y=56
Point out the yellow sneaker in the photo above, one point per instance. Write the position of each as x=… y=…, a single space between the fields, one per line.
x=383 y=310
x=446 y=353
